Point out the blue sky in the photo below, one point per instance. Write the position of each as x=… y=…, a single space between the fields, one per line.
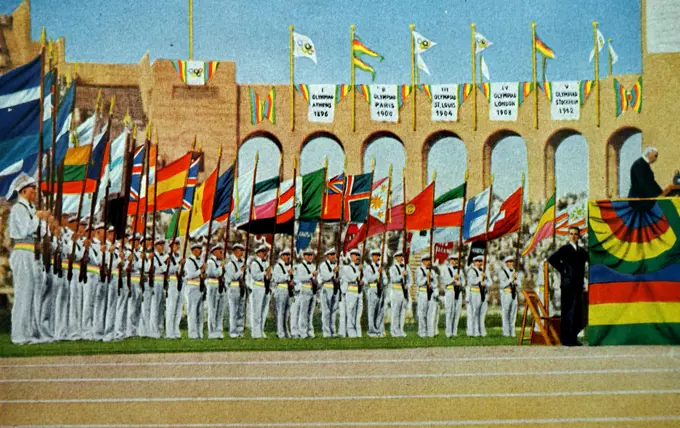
x=255 y=35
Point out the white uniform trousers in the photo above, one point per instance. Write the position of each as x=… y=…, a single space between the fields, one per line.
x=427 y=313
x=24 y=329
x=100 y=304
x=295 y=316
x=399 y=305
x=329 y=308
x=216 y=303
x=122 y=297
x=354 y=306
x=173 y=310
x=237 y=310
x=307 y=303
x=75 y=304
x=282 y=310
x=145 y=315
x=342 y=315
x=508 y=313
x=477 y=313
x=45 y=305
x=452 y=310
x=375 y=311
x=259 y=309
x=194 y=298
x=61 y=297
x=154 y=326
x=111 y=309
x=89 y=291
x=134 y=314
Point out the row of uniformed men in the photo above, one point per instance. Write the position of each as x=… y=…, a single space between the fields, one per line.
x=51 y=306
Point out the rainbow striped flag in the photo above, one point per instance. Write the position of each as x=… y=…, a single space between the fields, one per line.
x=634 y=283
x=486 y=89
x=525 y=89
x=403 y=93
x=341 y=92
x=545 y=227
x=363 y=67
x=543 y=49
x=270 y=106
x=634 y=96
x=427 y=90
x=464 y=91
x=195 y=73
x=261 y=109
x=358 y=48
x=303 y=90
x=547 y=89
x=365 y=92
x=585 y=87
x=256 y=108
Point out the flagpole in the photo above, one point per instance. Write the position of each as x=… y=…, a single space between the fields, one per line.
x=38 y=235
x=292 y=235
x=139 y=195
x=52 y=162
x=533 y=68
x=555 y=202
x=404 y=232
x=486 y=230
x=291 y=90
x=147 y=153
x=544 y=60
x=519 y=231
x=413 y=77
x=462 y=222
x=338 y=241
x=384 y=234
x=318 y=239
x=129 y=152
x=191 y=29
x=363 y=244
x=430 y=291
x=609 y=55
x=474 y=81
x=228 y=225
x=276 y=210
x=250 y=208
x=180 y=275
x=597 y=75
x=351 y=61
x=152 y=267
x=210 y=224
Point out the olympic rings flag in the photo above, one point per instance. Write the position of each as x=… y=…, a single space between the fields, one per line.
x=195 y=73
x=634 y=290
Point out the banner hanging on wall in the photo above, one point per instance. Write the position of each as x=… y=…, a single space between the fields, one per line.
x=195 y=73
x=564 y=102
x=321 y=103
x=503 y=101
x=384 y=103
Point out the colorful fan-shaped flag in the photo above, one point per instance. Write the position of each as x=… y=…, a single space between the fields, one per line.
x=256 y=108
x=303 y=90
x=585 y=87
x=464 y=91
x=404 y=92
x=365 y=92
x=634 y=96
x=486 y=90
x=543 y=49
x=547 y=89
x=195 y=72
x=545 y=227
x=341 y=92
x=261 y=109
x=427 y=90
x=525 y=89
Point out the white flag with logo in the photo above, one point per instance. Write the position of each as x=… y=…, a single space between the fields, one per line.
x=421 y=43
x=600 y=45
x=485 y=69
x=481 y=43
x=613 y=54
x=422 y=65
x=303 y=46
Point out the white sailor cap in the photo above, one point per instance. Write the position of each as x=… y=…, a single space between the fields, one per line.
x=85 y=221
x=425 y=257
x=330 y=251
x=307 y=252
x=509 y=259
x=217 y=247
x=136 y=237
x=21 y=182
x=399 y=254
x=478 y=259
x=196 y=245
x=73 y=218
x=261 y=248
x=175 y=241
x=375 y=252
x=355 y=251
x=453 y=256
x=285 y=252
x=111 y=229
x=159 y=241
x=98 y=226
x=237 y=247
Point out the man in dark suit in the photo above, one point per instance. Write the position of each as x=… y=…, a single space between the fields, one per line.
x=570 y=261
x=642 y=182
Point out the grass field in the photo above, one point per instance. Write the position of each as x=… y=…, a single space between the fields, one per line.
x=271 y=343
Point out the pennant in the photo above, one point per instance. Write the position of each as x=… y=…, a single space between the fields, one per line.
x=485 y=68
x=303 y=47
x=525 y=89
x=195 y=73
x=421 y=43
x=303 y=90
x=628 y=99
x=404 y=92
x=486 y=90
x=600 y=45
x=464 y=91
x=341 y=92
x=585 y=87
x=358 y=63
x=422 y=65
x=359 y=49
x=426 y=89
x=365 y=92
x=547 y=89
x=612 y=53
x=481 y=43
x=543 y=49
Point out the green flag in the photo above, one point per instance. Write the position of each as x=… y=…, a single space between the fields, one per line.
x=312 y=195
x=171 y=226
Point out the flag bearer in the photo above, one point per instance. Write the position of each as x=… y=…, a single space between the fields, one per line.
x=112 y=251
x=305 y=276
x=61 y=298
x=349 y=283
x=216 y=295
x=375 y=306
x=92 y=287
x=234 y=280
x=453 y=281
x=154 y=325
x=329 y=293
x=260 y=274
x=401 y=282
x=479 y=283
x=427 y=306
x=173 y=301
x=135 y=300
x=192 y=285
x=282 y=275
x=509 y=285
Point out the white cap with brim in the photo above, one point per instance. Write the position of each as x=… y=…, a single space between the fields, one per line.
x=262 y=248
x=217 y=247
x=375 y=252
x=111 y=229
x=159 y=241
x=355 y=251
x=175 y=241
x=509 y=259
x=196 y=245
x=425 y=257
x=478 y=259
x=21 y=182
x=73 y=218
x=285 y=252
x=85 y=221
x=330 y=251
x=98 y=226
x=399 y=254
x=237 y=247
x=307 y=252
x=453 y=256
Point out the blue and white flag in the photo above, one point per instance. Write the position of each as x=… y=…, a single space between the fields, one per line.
x=305 y=233
x=476 y=211
x=117 y=153
x=19 y=113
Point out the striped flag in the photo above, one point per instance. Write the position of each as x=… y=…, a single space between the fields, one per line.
x=192 y=180
x=545 y=226
x=543 y=49
x=448 y=208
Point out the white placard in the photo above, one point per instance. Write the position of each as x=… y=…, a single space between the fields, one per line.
x=504 y=101
x=384 y=103
x=565 y=103
x=321 y=103
x=444 y=103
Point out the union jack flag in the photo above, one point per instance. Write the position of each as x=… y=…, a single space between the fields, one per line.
x=336 y=185
x=137 y=170
x=333 y=198
x=192 y=179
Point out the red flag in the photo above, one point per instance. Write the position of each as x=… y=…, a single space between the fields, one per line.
x=350 y=234
x=333 y=198
x=419 y=210
x=508 y=217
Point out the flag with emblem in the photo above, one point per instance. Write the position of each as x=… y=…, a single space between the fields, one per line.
x=421 y=43
x=379 y=199
x=481 y=43
x=357 y=196
x=600 y=45
x=333 y=198
x=419 y=210
x=303 y=47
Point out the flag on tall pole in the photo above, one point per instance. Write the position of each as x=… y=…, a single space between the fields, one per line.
x=598 y=43
x=613 y=57
x=473 y=56
x=358 y=48
x=545 y=227
x=303 y=47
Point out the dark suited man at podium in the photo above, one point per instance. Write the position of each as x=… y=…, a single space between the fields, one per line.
x=570 y=261
x=642 y=182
